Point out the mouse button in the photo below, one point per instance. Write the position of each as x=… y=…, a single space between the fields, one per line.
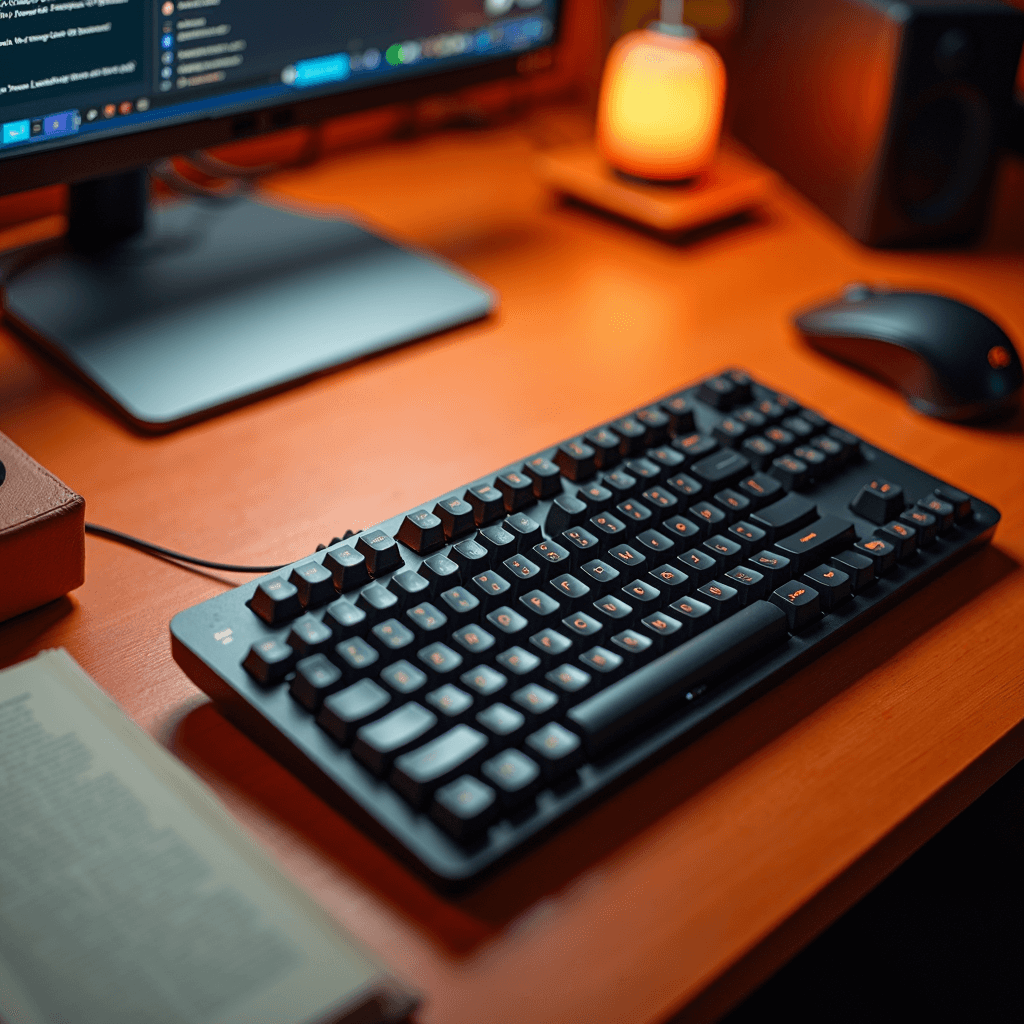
x=899 y=367
x=857 y=291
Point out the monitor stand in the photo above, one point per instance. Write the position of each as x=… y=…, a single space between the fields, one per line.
x=186 y=309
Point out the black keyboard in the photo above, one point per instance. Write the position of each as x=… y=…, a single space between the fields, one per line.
x=464 y=677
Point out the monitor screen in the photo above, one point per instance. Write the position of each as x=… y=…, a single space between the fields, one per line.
x=75 y=71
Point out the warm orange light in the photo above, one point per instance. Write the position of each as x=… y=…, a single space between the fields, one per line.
x=660 y=110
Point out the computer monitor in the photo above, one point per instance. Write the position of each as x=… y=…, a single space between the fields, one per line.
x=188 y=308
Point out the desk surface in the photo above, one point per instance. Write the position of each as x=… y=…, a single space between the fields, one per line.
x=681 y=892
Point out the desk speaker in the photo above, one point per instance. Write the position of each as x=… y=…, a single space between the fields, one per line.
x=887 y=115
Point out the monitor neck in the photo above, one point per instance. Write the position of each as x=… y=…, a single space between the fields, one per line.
x=104 y=212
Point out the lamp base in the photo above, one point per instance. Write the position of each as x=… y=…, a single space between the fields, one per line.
x=732 y=184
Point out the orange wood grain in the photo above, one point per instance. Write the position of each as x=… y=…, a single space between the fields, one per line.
x=687 y=886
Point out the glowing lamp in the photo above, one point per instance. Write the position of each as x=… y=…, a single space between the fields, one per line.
x=660 y=108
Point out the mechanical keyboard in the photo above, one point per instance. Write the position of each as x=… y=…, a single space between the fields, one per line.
x=462 y=678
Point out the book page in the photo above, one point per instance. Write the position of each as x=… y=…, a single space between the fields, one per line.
x=127 y=893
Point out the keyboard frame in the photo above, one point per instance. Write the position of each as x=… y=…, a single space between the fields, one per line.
x=290 y=733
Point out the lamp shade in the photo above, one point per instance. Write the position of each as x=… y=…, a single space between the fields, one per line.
x=660 y=108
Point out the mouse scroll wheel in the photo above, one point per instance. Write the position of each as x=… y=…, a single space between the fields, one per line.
x=856 y=292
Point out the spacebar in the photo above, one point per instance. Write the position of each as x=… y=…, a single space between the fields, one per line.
x=608 y=715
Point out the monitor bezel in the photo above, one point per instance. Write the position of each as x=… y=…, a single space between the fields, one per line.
x=80 y=161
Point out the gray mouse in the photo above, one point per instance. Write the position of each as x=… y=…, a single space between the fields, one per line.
x=947 y=359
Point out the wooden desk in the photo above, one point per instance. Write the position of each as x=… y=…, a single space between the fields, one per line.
x=681 y=892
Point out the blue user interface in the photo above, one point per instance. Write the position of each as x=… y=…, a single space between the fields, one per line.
x=72 y=69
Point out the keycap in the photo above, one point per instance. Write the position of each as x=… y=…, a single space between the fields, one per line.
x=345 y=712
x=680 y=413
x=557 y=750
x=502 y=723
x=605 y=444
x=490 y=588
x=550 y=645
x=652 y=543
x=684 y=530
x=791 y=472
x=700 y=566
x=552 y=558
x=632 y=435
x=378 y=743
x=816 y=420
x=685 y=486
x=730 y=431
x=634 y=512
x=662 y=502
x=377 y=602
x=537 y=702
x=596 y=497
x=576 y=460
x=571 y=683
x=456 y=517
x=926 y=525
x=673 y=582
x=748 y=583
x=583 y=627
x=464 y=807
x=497 y=540
x=881 y=552
x=580 y=543
x=662 y=629
x=309 y=635
x=643 y=596
x=521 y=572
x=403 y=677
x=878 y=501
x=268 y=661
x=750 y=418
x=800 y=602
x=774 y=567
x=720 y=469
x=516 y=491
x=380 y=551
x=440 y=572
x=722 y=599
x=695 y=615
x=710 y=515
x=518 y=663
x=733 y=504
x=343 y=618
x=422 y=531
x=439 y=660
x=540 y=604
x=565 y=511
x=487 y=503
x=781 y=438
x=902 y=536
x=607 y=528
x=458 y=605
x=719 y=392
x=348 y=568
x=275 y=601
x=943 y=511
x=724 y=550
x=470 y=556
x=630 y=645
x=657 y=422
x=408 y=585
x=831 y=449
x=851 y=446
x=483 y=681
x=770 y=410
x=626 y=558
x=472 y=642
x=449 y=703
x=742 y=384
x=620 y=483
x=749 y=537
x=798 y=427
x=314 y=583
x=815 y=461
x=666 y=458
x=644 y=470
x=598 y=575
x=569 y=590
x=601 y=663
x=507 y=620
x=545 y=477
x=858 y=567
x=613 y=610
x=785 y=516
x=817 y=541
x=355 y=656
x=760 y=488
x=694 y=446
x=612 y=713
x=426 y=618
x=832 y=585
x=390 y=637
x=961 y=502
x=515 y=776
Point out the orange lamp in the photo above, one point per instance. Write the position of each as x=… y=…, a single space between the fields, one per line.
x=662 y=94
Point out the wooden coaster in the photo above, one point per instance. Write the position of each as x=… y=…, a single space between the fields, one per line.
x=732 y=184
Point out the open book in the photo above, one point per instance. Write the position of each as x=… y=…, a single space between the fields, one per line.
x=128 y=894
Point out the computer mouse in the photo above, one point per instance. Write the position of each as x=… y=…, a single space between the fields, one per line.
x=947 y=359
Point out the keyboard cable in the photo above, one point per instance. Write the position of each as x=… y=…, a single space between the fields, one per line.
x=154 y=549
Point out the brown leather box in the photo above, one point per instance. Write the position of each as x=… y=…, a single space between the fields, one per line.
x=42 y=534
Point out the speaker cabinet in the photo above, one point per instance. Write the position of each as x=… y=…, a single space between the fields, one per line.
x=887 y=115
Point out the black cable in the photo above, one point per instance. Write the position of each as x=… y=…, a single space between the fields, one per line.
x=155 y=549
